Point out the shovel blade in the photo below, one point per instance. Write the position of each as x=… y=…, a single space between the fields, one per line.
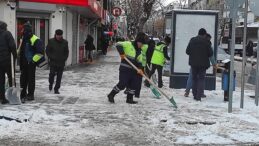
x=173 y=102
x=13 y=96
x=155 y=92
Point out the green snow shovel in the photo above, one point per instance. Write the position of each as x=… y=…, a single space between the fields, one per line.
x=154 y=85
x=154 y=90
x=12 y=93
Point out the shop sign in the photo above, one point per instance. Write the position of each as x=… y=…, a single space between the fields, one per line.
x=116 y=11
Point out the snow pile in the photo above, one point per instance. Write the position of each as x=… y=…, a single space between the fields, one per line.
x=82 y=115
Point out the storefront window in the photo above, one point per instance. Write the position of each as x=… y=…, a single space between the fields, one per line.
x=39 y=28
x=20 y=23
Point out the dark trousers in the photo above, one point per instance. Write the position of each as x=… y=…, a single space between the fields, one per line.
x=159 y=69
x=127 y=78
x=104 y=49
x=4 y=69
x=27 y=79
x=55 y=70
x=9 y=75
x=138 y=85
x=147 y=69
x=198 y=81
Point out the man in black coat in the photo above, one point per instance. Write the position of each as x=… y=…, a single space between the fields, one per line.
x=199 y=51
x=57 y=52
x=7 y=46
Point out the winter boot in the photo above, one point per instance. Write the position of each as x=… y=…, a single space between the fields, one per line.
x=30 y=97
x=130 y=99
x=4 y=101
x=203 y=96
x=226 y=99
x=160 y=85
x=23 y=99
x=50 y=87
x=186 y=94
x=56 y=92
x=126 y=91
x=111 y=96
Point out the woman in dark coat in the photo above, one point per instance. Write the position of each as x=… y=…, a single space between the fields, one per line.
x=89 y=47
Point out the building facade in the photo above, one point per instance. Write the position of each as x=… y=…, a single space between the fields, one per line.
x=76 y=18
x=224 y=12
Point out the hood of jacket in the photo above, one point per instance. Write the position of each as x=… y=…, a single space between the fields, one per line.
x=3 y=26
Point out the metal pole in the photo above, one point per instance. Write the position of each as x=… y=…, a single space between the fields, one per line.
x=257 y=73
x=231 y=78
x=243 y=78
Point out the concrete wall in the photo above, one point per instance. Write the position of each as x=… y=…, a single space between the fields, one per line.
x=63 y=20
x=8 y=15
x=75 y=43
x=55 y=23
x=69 y=35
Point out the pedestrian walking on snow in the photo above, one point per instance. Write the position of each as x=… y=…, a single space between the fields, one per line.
x=57 y=52
x=89 y=47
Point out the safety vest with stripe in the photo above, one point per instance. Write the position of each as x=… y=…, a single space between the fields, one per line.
x=29 y=52
x=144 y=52
x=158 y=57
x=130 y=51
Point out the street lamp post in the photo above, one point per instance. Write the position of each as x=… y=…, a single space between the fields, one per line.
x=233 y=4
x=244 y=56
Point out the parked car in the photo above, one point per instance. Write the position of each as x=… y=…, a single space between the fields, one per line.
x=238 y=45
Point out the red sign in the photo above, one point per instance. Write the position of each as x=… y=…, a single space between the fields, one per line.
x=226 y=32
x=82 y=3
x=116 y=11
x=93 y=5
x=110 y=33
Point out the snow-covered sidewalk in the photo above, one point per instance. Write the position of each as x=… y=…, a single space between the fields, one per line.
x=81 y=114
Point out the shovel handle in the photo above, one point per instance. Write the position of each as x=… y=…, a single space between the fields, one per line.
x=138 y=69
x=12 y=68
x=147 y=78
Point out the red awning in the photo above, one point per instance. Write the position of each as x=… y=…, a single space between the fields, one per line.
x=82 y=3
x=93 y=5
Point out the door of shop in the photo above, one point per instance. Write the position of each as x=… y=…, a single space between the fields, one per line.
x=40 y=27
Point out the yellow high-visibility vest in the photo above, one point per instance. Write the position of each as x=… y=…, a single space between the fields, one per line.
x=158 y=57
